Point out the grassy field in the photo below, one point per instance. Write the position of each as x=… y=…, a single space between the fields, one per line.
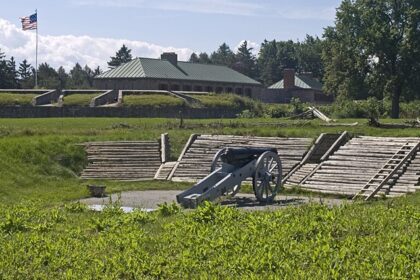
x=156 y=100
x=16 y=98
x=81 y=99
x=43 y=235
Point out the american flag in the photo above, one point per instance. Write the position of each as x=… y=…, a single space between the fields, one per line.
x=29 y=23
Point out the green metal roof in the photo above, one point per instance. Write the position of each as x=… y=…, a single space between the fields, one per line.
x=163 y=69
x=301 y=81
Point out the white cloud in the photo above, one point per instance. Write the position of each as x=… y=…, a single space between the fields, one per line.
x=229 y=7
x=66 y=50
x=255 y=46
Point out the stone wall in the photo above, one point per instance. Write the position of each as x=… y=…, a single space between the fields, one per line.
x=140 y=112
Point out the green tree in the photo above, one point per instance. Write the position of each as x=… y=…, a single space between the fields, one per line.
x=374 y=46
x=12 y=73
x=97 y=71
x=3 y=70
x=47 y=77
x=123 y=55
x=89 y=74
x=204 y=58
x=194 y=58
x=8 y=73
x=268 y=64
x=287 y=54
x=25 y=74
x=309 y=55
x=63 y=77
x=245 y=61
x=79 y=78
x=223 y=56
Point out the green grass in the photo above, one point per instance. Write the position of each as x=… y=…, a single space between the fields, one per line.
x=42 y=236
x=81 y=99
x=156 y=100
x=16 y=98
x=361 y=241
x=223 y=100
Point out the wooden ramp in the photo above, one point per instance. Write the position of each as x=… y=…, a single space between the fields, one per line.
x=352 y=167
x=123 y=160
x=195 y=161
x=324 y=146
x=165 y=170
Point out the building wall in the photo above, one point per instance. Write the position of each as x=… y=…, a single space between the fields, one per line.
x=174 y=85
x=286 y=95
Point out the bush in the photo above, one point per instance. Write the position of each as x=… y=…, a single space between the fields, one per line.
x=345 y=108
x=246 y=114
x=277 y=111
x=410 y=110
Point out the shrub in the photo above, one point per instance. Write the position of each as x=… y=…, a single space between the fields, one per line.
x=410 y=110
x=297 y=106
x=276 y=110
x=345 y=108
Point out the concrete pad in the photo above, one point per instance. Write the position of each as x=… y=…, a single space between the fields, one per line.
x=151 y=200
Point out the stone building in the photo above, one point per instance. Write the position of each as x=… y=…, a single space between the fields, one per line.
x=295 y=85
x=168 y=73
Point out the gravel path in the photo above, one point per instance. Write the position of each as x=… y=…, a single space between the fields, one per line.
x=151 y=200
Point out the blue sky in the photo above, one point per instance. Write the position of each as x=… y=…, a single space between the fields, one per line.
x=180 y=25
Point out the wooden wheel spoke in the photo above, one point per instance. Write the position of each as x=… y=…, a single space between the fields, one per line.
x=272 y=168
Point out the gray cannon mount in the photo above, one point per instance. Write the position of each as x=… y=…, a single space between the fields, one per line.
x=232 y=166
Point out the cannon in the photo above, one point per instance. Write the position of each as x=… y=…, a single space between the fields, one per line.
x=230 y=167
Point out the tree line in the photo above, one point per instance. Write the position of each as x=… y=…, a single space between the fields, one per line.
x=22 y=76
x=372 y=50
x=273 y=57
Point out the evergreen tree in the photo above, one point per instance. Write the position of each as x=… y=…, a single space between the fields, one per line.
x=12 y=73
x=121 y=56
x=8 y=73
x=204 y=58
x=223 y=56
x=63 y=77
x=3 y=70
x=97 y=71
x=24 y=70
x=194 y=58
x=89 y=74
x=47 y=77
x=25 y=74
x=245 y=61
x=79 y=77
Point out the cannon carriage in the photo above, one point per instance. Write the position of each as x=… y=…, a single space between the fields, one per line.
x=230 y=167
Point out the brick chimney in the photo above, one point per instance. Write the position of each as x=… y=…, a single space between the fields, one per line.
x=288 y=78
x=171 y=57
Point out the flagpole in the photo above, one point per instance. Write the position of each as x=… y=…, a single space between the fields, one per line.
x=36 y=55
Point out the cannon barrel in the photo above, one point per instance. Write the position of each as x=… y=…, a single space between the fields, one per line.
x=243 y=155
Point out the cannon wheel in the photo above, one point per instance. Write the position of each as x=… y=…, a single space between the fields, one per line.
x=217 y=163
x=267 y=177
